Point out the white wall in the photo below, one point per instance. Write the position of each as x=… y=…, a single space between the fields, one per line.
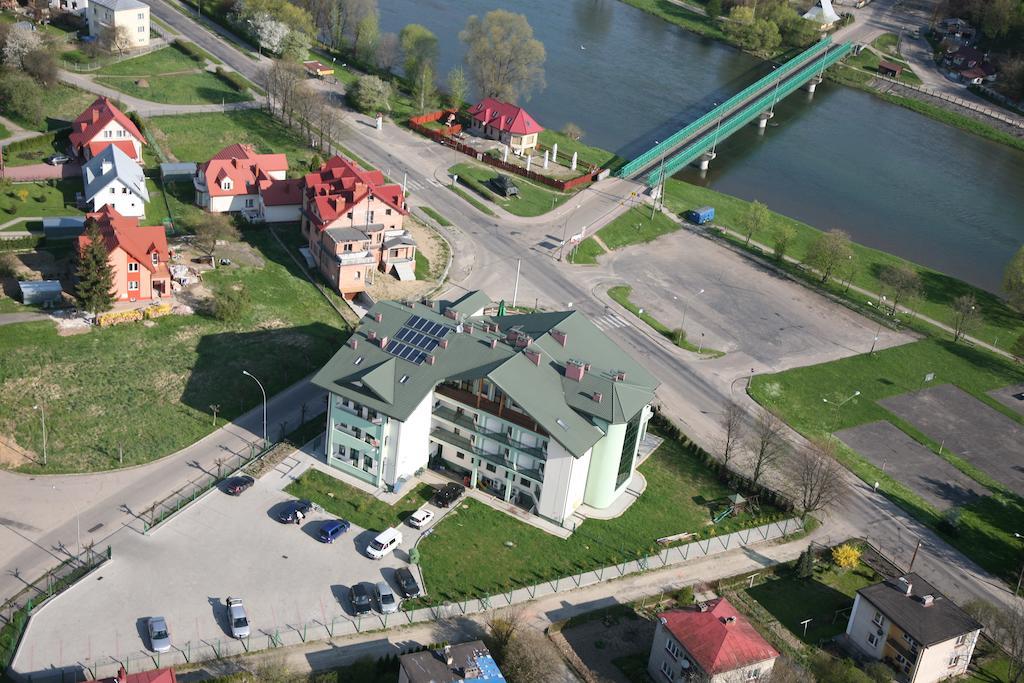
x=565 y=480
x=232 y=203
x=933 y=663
x=861 y=626
x=125 y=203
x=411 y=444
x=287 y=213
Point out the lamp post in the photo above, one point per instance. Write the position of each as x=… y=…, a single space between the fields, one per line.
x=661 y=184
x=78 y=520
x=775 y=97
x=260 y=384
x=565 y=228
x=714 y=145
x=42 y=417
x=835 y=418
x=686 y=305
x=1020 y=576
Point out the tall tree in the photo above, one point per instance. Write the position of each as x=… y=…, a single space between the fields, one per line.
x=419 y=50
x=828 y=251
x=95 y=288
x=903 y=281
x=782 y=238
x=116 y=38
x=41 y=64
x=765 y=444
x=732 y=431
x=20 y=97
x=371 y=95
x=458 y=88
x=1013 y=280
x=423 y=86
x=505 y=61
x=818 y=477
x=367 y=35
x=966 y=315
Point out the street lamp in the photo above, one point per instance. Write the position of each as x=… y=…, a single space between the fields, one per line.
x=42 y=416
x=78 y=520
x=565 y=228
x=249 y=374
x=714 y=145
x=686 y=305
x=835 y=419
x=775 y=97
x=1020 y=576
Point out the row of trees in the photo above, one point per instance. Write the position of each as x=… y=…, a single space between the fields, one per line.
x=28 y=63
x=766 y=25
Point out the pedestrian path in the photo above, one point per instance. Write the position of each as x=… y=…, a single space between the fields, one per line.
x=610 y=321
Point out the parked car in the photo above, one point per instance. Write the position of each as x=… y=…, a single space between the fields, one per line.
x=159 y=637
x=406 y=582
x=384 y=543
x=236 y=486
x=329 y=531
x=420 y=518
x=386 y=600
x=451 y=492
x=57 y=159
x=237 y=618
x=293 y=511
x=360 y=599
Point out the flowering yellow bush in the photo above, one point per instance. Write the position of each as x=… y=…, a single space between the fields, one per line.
x=846 y=556
x=118 y=317
x=157 y=311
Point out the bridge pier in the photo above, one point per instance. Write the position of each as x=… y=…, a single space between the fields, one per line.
x=762 y=121
x=812 y=84
x=705 y=160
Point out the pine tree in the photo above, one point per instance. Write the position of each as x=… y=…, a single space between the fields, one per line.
x=805 y=565
x=95 y=276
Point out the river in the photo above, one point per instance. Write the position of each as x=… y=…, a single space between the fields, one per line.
x=893 y=179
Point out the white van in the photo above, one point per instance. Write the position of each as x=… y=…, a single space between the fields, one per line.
x=384 y=543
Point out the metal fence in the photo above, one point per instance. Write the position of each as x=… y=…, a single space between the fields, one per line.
x=959 y=101
x=113 y=59
x=336 y=624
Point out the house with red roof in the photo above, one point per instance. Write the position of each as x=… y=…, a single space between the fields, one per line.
x=138 y=255
x=155 y=676
x=101 y=125
x=237 y=179
x=352 y=219
x=709 y=642
x=512 y=125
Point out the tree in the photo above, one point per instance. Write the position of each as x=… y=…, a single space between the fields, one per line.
x=116 y=38
x=367 y=34
x=846 y=556
x=388 y=52
x=782 y=238
x=20 y=41
x=423 y=86
x=1018 y=347
x=41 y=65
x=572 y=131
x=765 y=444
x=505 y=61
x=732 y=431
x=371 y=95
x=530 y=658
x=502 y=626
x=8 y=265
x=714 y=8
x=209 y=228
x=1011 y=76
x=281 y=81
x=827 y=251
x=95 y=288
x=294 y=47
x=268 y=31
x=754 y=219
x=818 y=477
x=20 y=97
x=1013 y=280
x=458 y=88
x=419 y=49
x=903 y=281
x=966 y=315
x=805 y=565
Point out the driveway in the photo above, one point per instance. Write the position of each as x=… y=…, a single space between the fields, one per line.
x=42 y=172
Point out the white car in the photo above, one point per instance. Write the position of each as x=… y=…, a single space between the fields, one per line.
x=387 y=602
x=237 y=617
x=159 y=637
x=420 y=518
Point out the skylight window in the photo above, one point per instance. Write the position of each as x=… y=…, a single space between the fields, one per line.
x=405 y=378
x=561 y=423
x=357 y=361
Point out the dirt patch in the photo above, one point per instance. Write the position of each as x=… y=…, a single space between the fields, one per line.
x=142 y=83
x=12 y=455
x=386 y=287
x=597 y=643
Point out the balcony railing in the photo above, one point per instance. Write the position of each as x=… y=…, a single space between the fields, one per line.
x=354 y=419
x=488 y=406
x=901 y=648
x=465 y=445
x=466 y=421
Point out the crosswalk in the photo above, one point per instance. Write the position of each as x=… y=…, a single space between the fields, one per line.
x=412 y=186
x=607 y=322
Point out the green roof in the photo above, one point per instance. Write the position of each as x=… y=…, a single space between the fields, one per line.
x=569 y=410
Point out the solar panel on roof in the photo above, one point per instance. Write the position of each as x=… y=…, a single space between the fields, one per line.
x=392 y=345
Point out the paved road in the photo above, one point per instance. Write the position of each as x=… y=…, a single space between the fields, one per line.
x=11 y=318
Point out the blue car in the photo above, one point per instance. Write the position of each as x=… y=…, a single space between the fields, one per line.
x=329 y=531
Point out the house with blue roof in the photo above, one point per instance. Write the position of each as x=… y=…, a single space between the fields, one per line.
x=471 y=662
x=112 y=178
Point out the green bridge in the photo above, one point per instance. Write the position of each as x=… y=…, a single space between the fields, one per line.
x=699 y=139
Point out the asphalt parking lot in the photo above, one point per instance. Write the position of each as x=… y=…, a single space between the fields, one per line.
x=220 y=546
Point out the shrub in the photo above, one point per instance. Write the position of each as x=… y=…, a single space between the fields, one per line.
x=230 y=304
x=414 y=556
x=684 y=596
x=805 y=565
x=8 y=265
x=232 y=78
x=950 y=522
x=191 y=50
x=846 y=556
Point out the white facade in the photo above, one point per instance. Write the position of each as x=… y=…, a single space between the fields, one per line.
x=565 y=481
x=132 y=15
x=122 y=198
x=230 y=203
x=115 y=132
x=287 y=213
x=405 y=447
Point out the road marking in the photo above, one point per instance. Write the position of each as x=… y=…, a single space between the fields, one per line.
x=413 y=185
x=606 y=322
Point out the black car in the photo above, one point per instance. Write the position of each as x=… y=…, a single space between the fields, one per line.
x=360 y=599
x=289 y=514
x=407 y=582
x=236 y=486
x=451 y=492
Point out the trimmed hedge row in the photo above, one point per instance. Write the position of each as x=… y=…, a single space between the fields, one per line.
x=233 y=78
x=191 y=49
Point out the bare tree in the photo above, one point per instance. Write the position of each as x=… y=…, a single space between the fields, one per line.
x=903 y=282
x=966 y=315
x=305 y=104
x=334 y=124
x=732 y=428
x=827 y=251
x=819 y=479
x=765 y=444
x=116 y=38
x=1006 y=626
x=502 y=628
x=210 y=228
x=283 y=79
x=788 y=671
x=531 y=658
x=388 y=52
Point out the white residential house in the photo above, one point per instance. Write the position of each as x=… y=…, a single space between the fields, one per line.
x=131 y=14
x=73 y=6
x=112 y=179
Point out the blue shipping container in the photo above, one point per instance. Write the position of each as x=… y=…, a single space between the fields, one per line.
x=704 y=214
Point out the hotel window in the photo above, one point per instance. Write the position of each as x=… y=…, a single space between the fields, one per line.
x=753 y=674
x=249 y=203
x=156 y=258
x=490 y=468
x=133 y=267
x=142 y=29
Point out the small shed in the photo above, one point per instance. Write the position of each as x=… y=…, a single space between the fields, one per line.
x=41 y=292
x=890 y=69
x=178 y=171
x=63 y=227
x=738 y=503
x=318 y=69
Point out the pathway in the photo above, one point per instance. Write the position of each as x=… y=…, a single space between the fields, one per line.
x=145 y=107
x=17 y=132
x=12 y=318
x=20 y=174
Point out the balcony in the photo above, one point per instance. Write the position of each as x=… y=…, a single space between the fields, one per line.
x=370 y=446
x=466 y=421
x=349 y=417
x=465 y=445
x=488 y=406
x=357 y=258
x=456 y=418
x=902 y=649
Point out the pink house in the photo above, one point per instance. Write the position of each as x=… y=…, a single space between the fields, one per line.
x=138 y=255
x=102 y=125
x=506 y=122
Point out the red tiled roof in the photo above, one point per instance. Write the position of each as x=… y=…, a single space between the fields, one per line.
x=95 y=118
x=125 y=233
x=281 y=192
x=341 y=184
x=154 y=676
x=504 y=116
x=243 y=166
x=126 y=146
x=715 y=642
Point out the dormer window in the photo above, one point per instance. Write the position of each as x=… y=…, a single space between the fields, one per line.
x=225 y=184
x=156 y=258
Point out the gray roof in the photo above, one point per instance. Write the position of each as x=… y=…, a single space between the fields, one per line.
x=429 y=666
x=179 y=169
x=119 y=5
x=928 y=625
x=399 y=240
x=347 y=234
x=563 y=407
x=119 y=167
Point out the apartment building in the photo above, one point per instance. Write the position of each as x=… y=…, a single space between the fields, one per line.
x=908 y=624
x=352 y=219
x=541 y=410
x=132 y=15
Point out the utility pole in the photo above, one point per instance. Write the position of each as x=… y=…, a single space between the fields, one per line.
x=515 y=291
x=914 y=557
x=42 y=416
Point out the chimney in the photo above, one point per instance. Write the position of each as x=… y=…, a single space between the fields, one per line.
x=928 y=600
x=467 y=328
x=122 y=674
x=378 y=317
x=451 y=313
x=487 y=116
x=372 y=334
x=560 y=337
x=431 y=359
x=494 y=343
x=533 y=355
x=597 y=396
x=443 y=343
x=353 y=342
x=905 y=585
x=574 y=370
x=410 y=303
x=586 y=366
x=620 y=376
x=729 y=620
x=383 y=341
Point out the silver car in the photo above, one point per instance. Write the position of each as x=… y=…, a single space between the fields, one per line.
x=159 y=637
x=238 y=619
x=386 y=599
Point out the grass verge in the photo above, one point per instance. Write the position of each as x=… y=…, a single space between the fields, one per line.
x=438 y=218
x=533 y=200
x=621 y=294
x=358 y=507
x=635 y=227
x=587 y=252
x=478 y=205
x=422 y=270
x=586 y=156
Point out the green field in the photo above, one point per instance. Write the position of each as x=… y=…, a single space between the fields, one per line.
x=533 y=200
x=475 y=203
x=636 y=227
x=4 y=133
x=149 y=389
x=986 y=526
x=42 y=198
x=176 y=134
x=163 y=61
x=586 y=156
x=999 y=324
x=171 y=77
x=62 y=103
x=422 y=266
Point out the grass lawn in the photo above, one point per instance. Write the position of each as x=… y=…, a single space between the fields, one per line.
x=586 y=155
x=886 y=42
x=999 y=324
x=4 y=133
x=422 y=266
x=988 y=670
x=163 y=61
x=636 y=226
x=438 y=218
x=42 y=199
x=475 y=203
x=201 y=87
x=868 y=61
x=61 y=103
x=177 y=135
x=986 y=526
x=587 y=252
x=180 y=195
x=468 y=553
x=358 y=507
x=791 y=600
x=149 y=389
x=533 y=200
x=621 y=294
x=36 y=149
